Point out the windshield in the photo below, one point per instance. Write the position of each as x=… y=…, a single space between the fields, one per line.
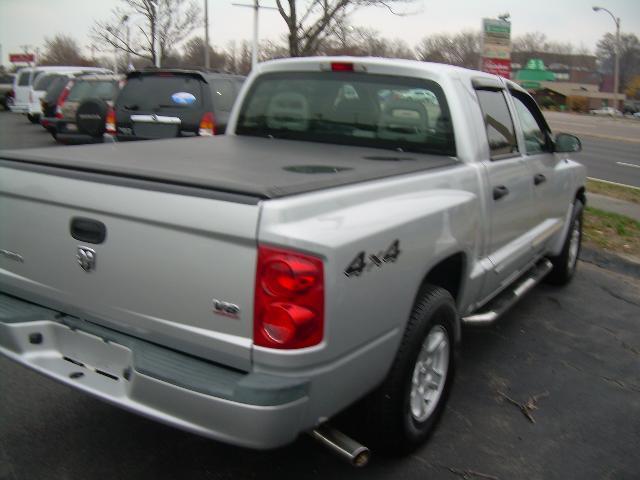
x=148 y=92
x=349 y=108
x=81 y=90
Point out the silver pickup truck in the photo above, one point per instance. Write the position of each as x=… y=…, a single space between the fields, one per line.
x=327 y=250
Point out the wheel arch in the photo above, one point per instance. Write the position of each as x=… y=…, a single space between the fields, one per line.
x=447 y=274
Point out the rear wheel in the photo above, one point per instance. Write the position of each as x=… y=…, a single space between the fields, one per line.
x=91 y=116
x=404 y=411
x=564 y=265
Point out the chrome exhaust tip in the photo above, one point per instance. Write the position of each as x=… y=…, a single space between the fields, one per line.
x=345 y=447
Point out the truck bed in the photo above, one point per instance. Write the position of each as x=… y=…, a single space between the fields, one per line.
x=256 y=168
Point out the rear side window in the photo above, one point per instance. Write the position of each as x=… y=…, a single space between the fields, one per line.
x=43 y=82
x=148 y=92
x=23 y=79
x=224 y=94
x=55 y=89
x=498 y=123
x=84 y=89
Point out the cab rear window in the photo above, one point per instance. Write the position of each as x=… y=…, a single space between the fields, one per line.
x=380 y=111
x=148 y=92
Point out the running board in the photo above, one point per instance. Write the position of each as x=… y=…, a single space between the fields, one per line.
x=506 y=299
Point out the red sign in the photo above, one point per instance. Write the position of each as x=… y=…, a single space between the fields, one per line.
x=497 y=66
x=22 y=57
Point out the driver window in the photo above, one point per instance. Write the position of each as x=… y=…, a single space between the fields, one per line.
x=535 y=139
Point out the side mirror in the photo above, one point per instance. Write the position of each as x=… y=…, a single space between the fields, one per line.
x=566 y=143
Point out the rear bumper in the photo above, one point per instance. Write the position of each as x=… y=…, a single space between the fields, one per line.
x=71 y=136
x=20 y=108
x=248 y=409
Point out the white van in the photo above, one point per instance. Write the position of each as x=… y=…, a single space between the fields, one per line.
x=25 y=100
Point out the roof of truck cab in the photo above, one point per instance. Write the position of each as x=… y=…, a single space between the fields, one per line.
x=371 y=64
x=257 y=167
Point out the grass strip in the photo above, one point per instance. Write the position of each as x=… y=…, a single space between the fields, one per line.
x=611 y=231
x=614 y=191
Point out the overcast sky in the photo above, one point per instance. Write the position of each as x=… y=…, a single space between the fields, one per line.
x=28 y=22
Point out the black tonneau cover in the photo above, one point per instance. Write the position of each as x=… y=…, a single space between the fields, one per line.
x=258 y=167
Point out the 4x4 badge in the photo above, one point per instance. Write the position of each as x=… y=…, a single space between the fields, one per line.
x=86 y=258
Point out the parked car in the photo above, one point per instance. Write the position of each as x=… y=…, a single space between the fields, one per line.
x=6 y=89
x=249 y=287
x=38 y=90
x=607 y=111
x=81 y=113
x=25 y=78
x=49 y=101
x=631 y=106
x=173 y=103
x=636 y=115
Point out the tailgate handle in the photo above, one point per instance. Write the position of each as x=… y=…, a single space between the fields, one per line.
x=88 y=230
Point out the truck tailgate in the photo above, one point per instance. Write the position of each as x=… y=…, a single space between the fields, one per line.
x=166 y=257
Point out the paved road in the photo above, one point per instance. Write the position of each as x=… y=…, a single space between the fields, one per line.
x=18 y=132
x=610 y=146
x=614 y=161
x=617 y=128
x=581 y=344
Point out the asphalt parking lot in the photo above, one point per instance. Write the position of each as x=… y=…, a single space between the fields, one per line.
x=576 y=348
x=572 y=354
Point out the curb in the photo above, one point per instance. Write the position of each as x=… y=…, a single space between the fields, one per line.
x=610 y=261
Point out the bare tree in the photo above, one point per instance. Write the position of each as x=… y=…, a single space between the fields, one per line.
x=462 y=49
x=629 y=56
x=62 y=50
x=194 y=55
x=530 y=42
x=238 y=57
x=311 y=25
x=168 y=22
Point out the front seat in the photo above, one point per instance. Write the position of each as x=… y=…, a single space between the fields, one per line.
x=403 y=119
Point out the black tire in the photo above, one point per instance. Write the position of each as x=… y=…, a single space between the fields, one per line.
x=390 y=423
x=564 y=265
x=33 y=118
x=91 y=116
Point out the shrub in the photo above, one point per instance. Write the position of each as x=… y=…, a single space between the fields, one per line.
x=577 y=103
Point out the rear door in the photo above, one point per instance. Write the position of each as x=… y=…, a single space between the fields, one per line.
x=509 y=192
x=161 y=105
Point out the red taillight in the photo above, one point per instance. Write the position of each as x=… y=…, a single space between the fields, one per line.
x=207 y=125
x=289 y=299
x=341 y=67
x=62 y=98
x=110 y=121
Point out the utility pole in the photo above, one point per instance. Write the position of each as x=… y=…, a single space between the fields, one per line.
x=206 y=34
x=616 y=68
x=125 y=20
x=155 y=41
x=256 y=8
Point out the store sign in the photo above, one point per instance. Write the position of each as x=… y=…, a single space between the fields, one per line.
x=496 y=47
x=22 y=57
x=497 y=66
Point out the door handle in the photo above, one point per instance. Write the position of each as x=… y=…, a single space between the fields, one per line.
x=499 y=192
x=88 y=230
x=539 y=178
